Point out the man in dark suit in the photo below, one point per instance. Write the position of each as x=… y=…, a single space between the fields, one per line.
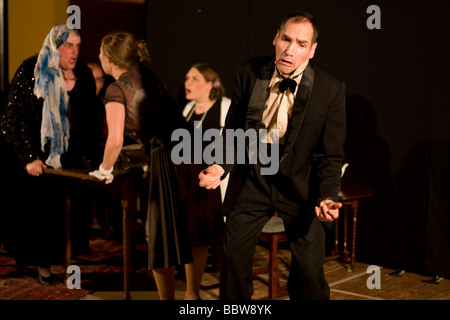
x=309 y=116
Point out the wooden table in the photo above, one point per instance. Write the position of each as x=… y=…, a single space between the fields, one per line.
x=349 y=195
x=125 y=181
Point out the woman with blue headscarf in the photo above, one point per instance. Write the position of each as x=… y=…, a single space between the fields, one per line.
x=50 y=120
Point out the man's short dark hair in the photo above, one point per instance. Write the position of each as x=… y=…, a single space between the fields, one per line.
x=301 y=16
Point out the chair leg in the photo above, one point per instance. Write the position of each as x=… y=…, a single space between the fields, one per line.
x=273 y=268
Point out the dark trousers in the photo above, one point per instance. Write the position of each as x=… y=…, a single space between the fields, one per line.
x=306 y=237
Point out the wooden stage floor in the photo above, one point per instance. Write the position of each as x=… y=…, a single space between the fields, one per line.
x=344 y=285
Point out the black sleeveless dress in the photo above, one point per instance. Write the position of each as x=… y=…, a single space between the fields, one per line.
x=202 y=206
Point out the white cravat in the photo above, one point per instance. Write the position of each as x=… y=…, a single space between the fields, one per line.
x=278 y=108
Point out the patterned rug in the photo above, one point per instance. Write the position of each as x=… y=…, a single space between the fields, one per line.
x=100 y=263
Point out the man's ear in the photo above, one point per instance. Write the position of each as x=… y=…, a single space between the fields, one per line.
x=313 y=50
x=275 y=38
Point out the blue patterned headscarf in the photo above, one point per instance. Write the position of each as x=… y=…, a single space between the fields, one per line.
x=50 y=86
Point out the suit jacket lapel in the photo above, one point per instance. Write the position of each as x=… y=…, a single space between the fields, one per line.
x=258 y=97
x=300 y=105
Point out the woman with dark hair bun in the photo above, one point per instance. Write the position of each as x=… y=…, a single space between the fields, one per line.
x=141 y=116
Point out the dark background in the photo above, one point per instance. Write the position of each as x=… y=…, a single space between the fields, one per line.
x=397 y=97
x=397 y=101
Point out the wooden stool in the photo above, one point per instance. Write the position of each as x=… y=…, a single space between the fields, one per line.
x=349 y=195
x=273 y=233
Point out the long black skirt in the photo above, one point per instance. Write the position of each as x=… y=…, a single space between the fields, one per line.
x=166 y=228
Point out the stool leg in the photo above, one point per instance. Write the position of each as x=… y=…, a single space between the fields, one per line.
x=345 y=229
x=273 y=268
x=335 y=252
x=355 y=211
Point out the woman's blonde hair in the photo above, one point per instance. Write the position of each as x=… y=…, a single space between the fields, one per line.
x=211 y=74
x=123 y=49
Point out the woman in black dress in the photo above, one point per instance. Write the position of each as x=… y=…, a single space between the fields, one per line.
x=207 y=108
x=141 y=116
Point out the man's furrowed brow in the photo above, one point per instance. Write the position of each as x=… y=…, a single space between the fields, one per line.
x=300 y=42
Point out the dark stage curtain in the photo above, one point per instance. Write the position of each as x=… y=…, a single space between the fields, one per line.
x=437 y=248
x=398 y=103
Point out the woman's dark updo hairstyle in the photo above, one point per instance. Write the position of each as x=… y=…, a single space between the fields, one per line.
x=211 y=75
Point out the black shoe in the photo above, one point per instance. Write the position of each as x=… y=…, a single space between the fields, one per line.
x=46 y=281
x=20 y=267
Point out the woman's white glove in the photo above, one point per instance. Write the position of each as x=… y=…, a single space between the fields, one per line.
x=102 y=174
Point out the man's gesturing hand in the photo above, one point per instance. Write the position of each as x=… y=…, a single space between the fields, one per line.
x=328 y=210
x=210 y=177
